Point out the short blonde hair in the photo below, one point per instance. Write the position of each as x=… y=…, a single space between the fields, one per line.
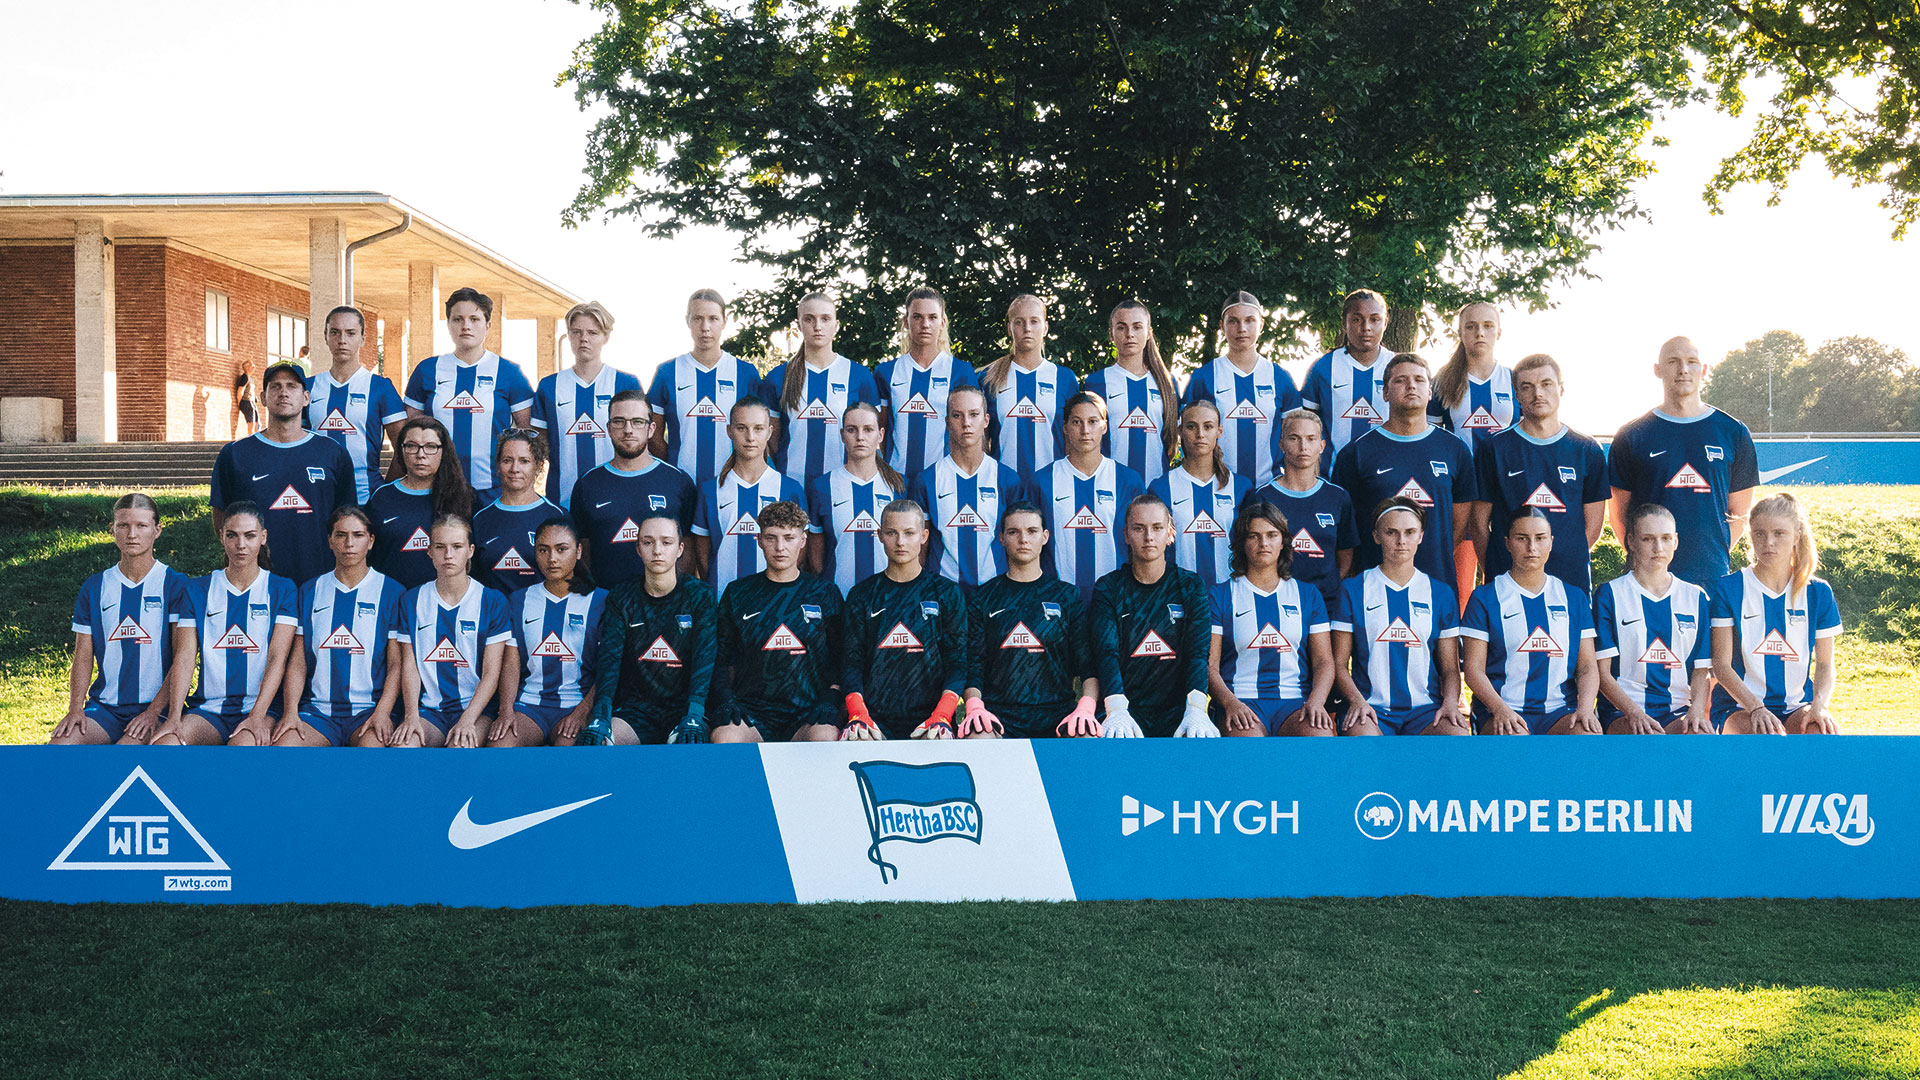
x=592 y=309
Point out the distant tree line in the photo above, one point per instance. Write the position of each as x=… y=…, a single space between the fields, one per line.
x=1847 y=384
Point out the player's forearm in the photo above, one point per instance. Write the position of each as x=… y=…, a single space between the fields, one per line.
x=1615 y=694
x=80 y=674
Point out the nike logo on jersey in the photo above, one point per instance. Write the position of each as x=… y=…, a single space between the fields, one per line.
x=597 y=506
x=468 y=834
x=391 y=520
x=262 y=476
x=995 y=614
x=756 y=614
x=876 y=613
x=1388 y=469
x=1515 y=472
x=1656 y=453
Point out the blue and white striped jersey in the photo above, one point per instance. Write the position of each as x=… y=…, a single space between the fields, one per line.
x=1030 y=415
x=1395 y=631
x=236 y=628
x=1487 y=407
x=1533 y=643
x=691 y=403
x=1086 y=520
x=1263 y=637
x=450 y=640
x=810 y=443
x=916 y=402
x=1135 y=411
x=355 y=414
x=727 y=517
x=131 y=624
x=574 y=416
x=475 y=401
x=556 y=637
x=1773 y=638
x=503 y=544
x=845 y=511
x=1654 y=644
x=1348 y=396
x=1321 y=521
x=1203 y=513
x=1251 y=404
x=963 y=510
x=345 y=632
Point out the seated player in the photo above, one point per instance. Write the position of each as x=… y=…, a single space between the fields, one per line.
x=1651 y=636
x=1319 y=511
x=546 y=676
x=654 y=668
x=725 y=527
x=906 y=639
x=1271 y=665
x=1529 y=643
x=137 y=618
x=1151 y=627
x=430 y=484
x=1203 y=495
x=844 y=505
x=1399 y=628
x=1027 y=644
x=503 y=529
x=453 y=635
x=1773 y=630
x=343 y=675
x=1083 y=495
x=244 y=616
x=779 y=638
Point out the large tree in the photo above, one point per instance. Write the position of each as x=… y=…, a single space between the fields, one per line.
x=1760 y=383
x=1847 y=384
x=1092 y=150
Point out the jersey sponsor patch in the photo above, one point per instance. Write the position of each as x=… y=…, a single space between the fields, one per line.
x=786 y=641
x=1545 y=499
x=1025 y=409
x=552 y=648
x=705 y=409
x=512 y=561
x=291 y=500
x=1155 y=646
x=342 y=638
x=862 y=523
x=661 y=653
x=585 y=424
x=918 y=405
x=236 y=638
x=337 y=421
x=447 y=653
x=744 y=525
x=1022 y=638
x=1204 y=524
x=1658 y=655
x=1246 y=410
x=1137 y=420
x=1412 y=490
x=966 y=518
x=1481 y=420
x=130 y=630
x=1087 y=519
x=1398 y=632
x=464 y=401
x=627 y=533
x=901 y=638
x=416 y=542
x=1690 y=479
x=1305 y=544
x=1539 y=641
x=1270 y=637
x=817 y=410
x=1775 y=644
x=1361 y=409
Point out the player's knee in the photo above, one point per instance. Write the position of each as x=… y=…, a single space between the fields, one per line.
x=817 y=733
x=1739 y=722
x=166 y=738
x=734 y=733
x=1296 y=725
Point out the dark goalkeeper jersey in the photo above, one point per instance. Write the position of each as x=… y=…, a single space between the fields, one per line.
x=781 y=642
x=1027 y=642
x=656 y=652
x=1150 y=642
x=906 y=643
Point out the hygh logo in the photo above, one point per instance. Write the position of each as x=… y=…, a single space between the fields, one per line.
x=1134 y=816
x=1377 y=815
x=916 y=803
x=1843 y=817
x=139 y=828
x=1248 y=817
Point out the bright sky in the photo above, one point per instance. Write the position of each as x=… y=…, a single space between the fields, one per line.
x=455 y=111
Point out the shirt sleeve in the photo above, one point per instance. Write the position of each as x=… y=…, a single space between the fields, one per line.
x=1823 y=611
x=854 y=637
x=1343 y=469
x=1346 y=532
x=519 y=391
x=1197 y=635
x=1105 y=636
x=1466 y=485
x=1726 y=608
x=819 y=504
x=883 y=390
x=1313 y=611
x=1447 y=621
x=1220 y=603
x=285 y=596
x=1743 y=471
x=1344 y=605
x=1579 y=616
x=700 y=663
x=1314 y=393
x=1606 y=642
x=703 y=518
x=1703 y=641
x=388 y=404
x=1620 y=460
x=1593 y=485
x=217 y=494
x=498 y=632
x=1486 y=470
x=543 y=405
x=419 y=392
x=608 y=654
x=1199 y=386
x=953 y=640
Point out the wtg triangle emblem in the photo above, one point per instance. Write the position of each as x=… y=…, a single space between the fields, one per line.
x=862 y=523
x=1137 y=420
x=1481 y=420
x=1204 y=525
x=585 y=424
x=1304 y=543
x=1544 y=498
x=141 y=836
x=337 y=421
x=817 y=410
x=1026 y=410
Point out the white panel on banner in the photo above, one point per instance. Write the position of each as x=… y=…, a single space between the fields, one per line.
x=916 y=821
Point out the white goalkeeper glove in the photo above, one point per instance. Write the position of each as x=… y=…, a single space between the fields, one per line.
x=1194 y=724
x=1120 y=723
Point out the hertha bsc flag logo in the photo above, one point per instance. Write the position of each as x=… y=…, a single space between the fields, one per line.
x=552 y=648
x=1545 y=500
x=291 y=500
x=901 y=638
x=337 y=421
x=1154 y=645
x=1022 y=638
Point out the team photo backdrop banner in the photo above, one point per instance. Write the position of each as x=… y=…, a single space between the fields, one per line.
x=1675 y=817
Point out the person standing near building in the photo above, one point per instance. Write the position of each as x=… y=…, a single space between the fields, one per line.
x=1027 y=393
x=610 y=502
x=914 y=386
x=1347 y=386
x=1544 y=464
x=694 y=393
x=1251 y=392
x=297 y=478
x=1139 y=391
x=811 y=393
x=243 y=400
x=571 y=406
x=474 y=391
x=351 y=405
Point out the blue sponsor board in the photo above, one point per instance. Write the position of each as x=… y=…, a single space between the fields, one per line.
x=1838 y=461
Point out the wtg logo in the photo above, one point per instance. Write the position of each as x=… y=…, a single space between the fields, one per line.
x=1818 y=814
x=1209 y=816
x=139 y=828
x=916 y=803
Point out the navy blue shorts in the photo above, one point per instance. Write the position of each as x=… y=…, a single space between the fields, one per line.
x=1031 y=721
x=776 y=725
x=1538 y=723
x=225 y=722
x=337 y=729
x=112 y=718
x=1406 y=721
x=1272 y=712
x=543 y=716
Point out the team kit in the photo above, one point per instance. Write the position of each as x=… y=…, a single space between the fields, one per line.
x=922 y=549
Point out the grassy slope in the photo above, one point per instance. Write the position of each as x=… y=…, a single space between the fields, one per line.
x=49 y=543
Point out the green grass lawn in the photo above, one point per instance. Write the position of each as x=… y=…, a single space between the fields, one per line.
x=1350 y=988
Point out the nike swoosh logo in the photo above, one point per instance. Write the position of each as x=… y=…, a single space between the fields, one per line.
x=597 y=506
x=1376 y=607
x=1513 y=614
x=391 y=520
x=467 y=834
x=1516 y=472
x=1629 y=622
x=1771 y=475
x=1656 y=453
x=318 y=610
x=844 y=502
x=525 y=622
x=1388 y=469
x=263 y=476
x=425 y=626
x=995 y=614
x=756 y=614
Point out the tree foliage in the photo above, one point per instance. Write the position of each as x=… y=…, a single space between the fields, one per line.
x=1847 y=384
x=1090 y=150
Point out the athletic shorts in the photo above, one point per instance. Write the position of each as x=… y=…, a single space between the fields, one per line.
x=224 y=722
x=337 y=729
x=653 y=730
x=1031 y=721
x=444 y=719
x=1720 y=714
x=1665 y=719
x=1406 y=721
x=544 y=716
x=1271 y=711
x=112 y=718
x=1158 y=725
x=1539 y=723
x=777 y=726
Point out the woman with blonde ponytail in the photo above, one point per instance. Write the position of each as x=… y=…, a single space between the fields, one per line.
x=1773 y=630
x=1140 y=394
x=1251 y=392
x=1473 y=392
x=1027 y=393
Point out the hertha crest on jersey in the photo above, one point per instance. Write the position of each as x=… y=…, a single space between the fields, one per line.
x=512 y=561
x=1545 y=499
x=342 y=638
x=337 y=421
x=1270 y=637
x=1304 y=543
x=967 y=518
x=1412 y=490
x=1689 y=478
x=901 y=638
x=1658 y=655
x=1087 y=519
x=1361 y=409
x=417 y=542
x=1245 y=411
x=1137 y=419
x=291 y=500
x=236 y=638
x=1539 y=641
x=705 y=409
x=786 y=641
x=552 y=648
x=862 y=523
x=1775 y=644
x=1154 y=645
x=447 y=653
x=1022 y=638
x=1026 y=410
x=464 y=401
x=1481 y=420
x=918 y=405
x=585 y=424
x=817 y=410
x=1203 y=524
x=661 y=653
x=627 y=533
x=1398 y=632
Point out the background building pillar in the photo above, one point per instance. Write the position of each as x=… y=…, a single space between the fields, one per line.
x=549 y=347
x=496 y=327
x=423 y=283
x=96 y=414
x=326 y=281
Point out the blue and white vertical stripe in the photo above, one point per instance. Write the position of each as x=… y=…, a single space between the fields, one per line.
x=1774 y=636
x=236 y=629
x=1030 y=415
x=692 y=402
x=1085 y=517
x=574 y=416
x=964 y=509
x=1349 y=397
x=355 y=414
x=1533 y=642
x=345 y=632
x=1485 y=408
x=845 y=512
x=475 y=401
x=1135 y=412
x=1263 y=637
x=1394 y=632
x=728 y=517
x=450 y=640
x=916 y=401
x=1251 y=404
x=810 y=434
x=1203 y=512
x=131 y=624
x=1655 y=643
x=557 y=637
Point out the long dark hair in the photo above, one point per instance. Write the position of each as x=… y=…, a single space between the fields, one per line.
x=581 y=582
x=252 y=510
x=1260 y=510
x=451 y=495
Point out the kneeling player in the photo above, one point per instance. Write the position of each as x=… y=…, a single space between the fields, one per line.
x=453 y=635
x=779 y=636
x=655 y=661
x=1773 y=630
x=1529 y=643
x=906 y=640
x=1399 y=628
x=1654 y=650
x=1152 y=624
x=1271 y=667
x=546 y=678
x=1026 y=644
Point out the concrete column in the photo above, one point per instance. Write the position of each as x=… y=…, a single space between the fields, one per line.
x=423 y=284
x=549 y=345
x=326 y=279
x=496 y=327
x=96 y=394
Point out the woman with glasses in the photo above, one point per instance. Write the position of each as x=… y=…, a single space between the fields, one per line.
x=429 y=483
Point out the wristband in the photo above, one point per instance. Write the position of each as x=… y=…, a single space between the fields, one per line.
x=857 y=709
x=943 y=712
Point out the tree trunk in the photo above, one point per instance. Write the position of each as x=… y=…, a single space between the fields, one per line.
x=1403 y=329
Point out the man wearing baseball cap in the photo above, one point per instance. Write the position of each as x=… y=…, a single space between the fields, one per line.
x=295 y=476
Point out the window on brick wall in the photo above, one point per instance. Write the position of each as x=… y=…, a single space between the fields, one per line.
x=286 y=333
x=219 y=327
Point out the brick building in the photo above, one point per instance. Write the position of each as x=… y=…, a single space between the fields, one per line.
x=135 y=312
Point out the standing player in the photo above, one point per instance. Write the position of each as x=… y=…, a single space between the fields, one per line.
x=693 y=394
x=503 y=529
x=296 y=476
x=726 y=532
x=1472 y=391
x=547 y=676
x=1654 y=649
x=780 y=640
x=610 y=501
x=1027 y=393
x=343 y=674
x=1083 y=496
x=1544 y=464
x=351 y=405
x=1251 y=391
x=453 y=637
x=1271 y=664
x=906 y=640
x=1139 y=391
x=1027 y=645
x=844 y=505
x=1319 y=512
x=1692 y=459
x=1204 y=495
x=473 y=391
x=244 y=618
x=430 y=485
x=571 y=406
x=654 y=666
x=1399 y=628
x=1346 y=386
x=1411 y=457
x=1773 y=630
x=1529 y=643
x=1152 y=625
x=914 y=386
x=137 y=617
x=812 y=392
x=963 y=494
